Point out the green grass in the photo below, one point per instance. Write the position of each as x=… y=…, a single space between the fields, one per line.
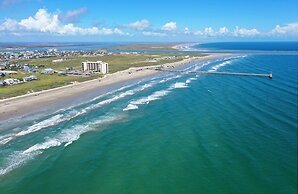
x=116 y=63
x=44 y=82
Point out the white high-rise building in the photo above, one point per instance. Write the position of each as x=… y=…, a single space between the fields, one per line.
x=97 y=66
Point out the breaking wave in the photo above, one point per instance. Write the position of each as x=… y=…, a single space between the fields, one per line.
x=179 y=85
x=65 y=137
x=226 y=61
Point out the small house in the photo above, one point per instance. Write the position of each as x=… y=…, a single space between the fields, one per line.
x=48 y=71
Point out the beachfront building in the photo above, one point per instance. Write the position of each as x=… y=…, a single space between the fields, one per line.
x=97 y=66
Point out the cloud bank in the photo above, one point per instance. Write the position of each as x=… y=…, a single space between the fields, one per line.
x=139 y=25
x=170 y=26
x=64 y=24
x=46 y=22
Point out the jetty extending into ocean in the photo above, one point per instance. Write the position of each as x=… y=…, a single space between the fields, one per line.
x=269 y=75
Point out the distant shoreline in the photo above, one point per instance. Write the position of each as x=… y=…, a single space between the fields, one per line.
x=30 y=103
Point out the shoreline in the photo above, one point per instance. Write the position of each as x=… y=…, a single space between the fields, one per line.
x=29 y=103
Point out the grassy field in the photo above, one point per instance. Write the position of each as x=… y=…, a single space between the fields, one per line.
x=116 y=63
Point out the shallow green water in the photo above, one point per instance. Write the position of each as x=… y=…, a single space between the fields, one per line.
x=169 y=134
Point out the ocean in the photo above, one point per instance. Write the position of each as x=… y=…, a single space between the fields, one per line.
x=170 y=133
x=250 y=46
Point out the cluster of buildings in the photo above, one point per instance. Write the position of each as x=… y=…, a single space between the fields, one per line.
x=20 y=67
x=9 y=65
x=166 y=58
x=24 y=55
x=88 y=67
x=11 y=81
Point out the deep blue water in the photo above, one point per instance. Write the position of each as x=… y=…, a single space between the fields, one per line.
x=172 y=133
x=250 y=46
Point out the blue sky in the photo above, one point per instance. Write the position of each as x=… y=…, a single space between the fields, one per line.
x=148 y=20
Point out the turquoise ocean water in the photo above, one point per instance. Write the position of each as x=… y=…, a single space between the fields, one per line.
x=170 y=133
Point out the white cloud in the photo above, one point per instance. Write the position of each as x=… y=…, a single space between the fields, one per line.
x=206 y=32
x=289 y=29
x=73 y=15
x=109 y=31
x=139 y=25
x=186 y=30
x=42 y=21
x=148 y=33
x=223 y=30
x=53 y=23
x=199 y=33
x=243 y=32
x=209 y=31
x=118 y=31
x=46 y=22
x=170 y=26
x=9 y=25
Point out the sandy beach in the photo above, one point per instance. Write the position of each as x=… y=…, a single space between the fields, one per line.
x=22 y=105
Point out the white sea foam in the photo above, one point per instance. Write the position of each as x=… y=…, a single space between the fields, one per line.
x=70 y=135
x=5 y=140
x=189 y=80
x=56 y=119
x=130 y=92
x=155 y=96
x=43 y=124
x=146 y=100
x=216 y=67
x=226 y=61
x=43 y=146
x=179 y=85
x=130 y=107
x=146 y=86
x=15 y=160
x=100 y=96
x=197 y=66
x=168 y=79
x=188 y=68
x=66 y=137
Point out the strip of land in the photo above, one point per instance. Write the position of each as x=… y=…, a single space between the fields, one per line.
x=21 y=105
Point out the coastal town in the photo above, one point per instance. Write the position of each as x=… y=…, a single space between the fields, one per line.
x=9 y=65
x=53 y=52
